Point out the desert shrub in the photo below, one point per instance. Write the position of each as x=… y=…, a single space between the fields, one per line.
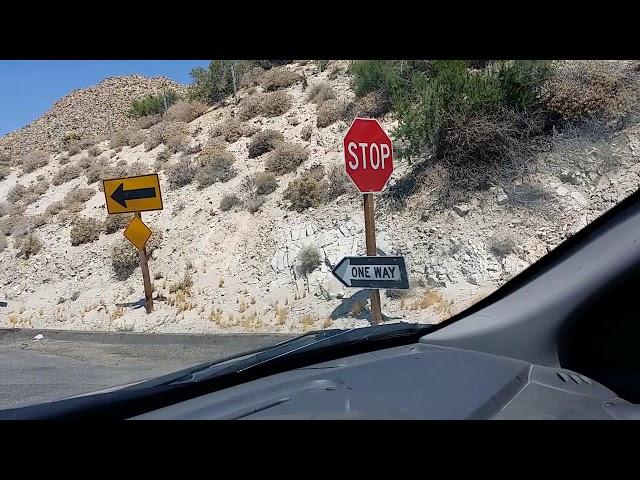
x=175 y=136
x=154 y=137
x=29 y=246
x=252 y=77
x=228 y=202
x=604 y=90
x=84 y=163
x=84 y=230
x=267 y=104
x=265 y=183
x=487 y=148
x=5 y=160
x=66 y=174
x=153 y=104
x=25 y=224
x=97 y=171
x=501 y=245
x=73 y=148
x=215 y=168
x=114 y=223
x=253 y=203
x=3 y=243
x=16 y=193
x=330 y=112
x=4 y=171
x=321 y=64
x=163 y=156
x=139 y=168
x=182 y=173
x=263 y=142
x=125 y=257
x=40 y=187
x=308 y=259
x=285 y=158
x=54 y=208
x=147 y=121
x=64 y=160
x=306 y=132
x=338 y=182
x=185 y=111
x=78 y=196
x=216 y=82
x=126 y=137
x=230 y=129
x=8 y=222
x=34 y=161
x=371 y=105
x=305 y=191
x=320 y=92
x=278 y=78
x=94 y=151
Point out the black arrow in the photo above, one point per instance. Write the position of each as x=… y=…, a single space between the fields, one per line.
x=121 y=195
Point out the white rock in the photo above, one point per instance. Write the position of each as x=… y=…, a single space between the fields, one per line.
x=461 y=209
x=562 y=191
x=502 y=198
x=579 y=198
x=38 y=337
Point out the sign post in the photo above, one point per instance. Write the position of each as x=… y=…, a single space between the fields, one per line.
x=136 y=194
x=368 y=154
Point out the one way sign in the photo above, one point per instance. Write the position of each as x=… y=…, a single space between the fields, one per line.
x=372 y=272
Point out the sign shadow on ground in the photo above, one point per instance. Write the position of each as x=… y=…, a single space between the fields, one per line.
x=344 y=309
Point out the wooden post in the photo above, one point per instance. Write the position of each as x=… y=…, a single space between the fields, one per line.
x=370 y=237
x=146 y=278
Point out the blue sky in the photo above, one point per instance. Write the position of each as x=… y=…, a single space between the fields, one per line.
x=28 y=88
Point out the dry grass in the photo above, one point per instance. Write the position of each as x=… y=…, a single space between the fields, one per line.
x=221 y=283
x=307 y=320
x=435 y=300
x=281 y=315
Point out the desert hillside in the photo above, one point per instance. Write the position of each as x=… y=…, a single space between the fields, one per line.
x=257 y=208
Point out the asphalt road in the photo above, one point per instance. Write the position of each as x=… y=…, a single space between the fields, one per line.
x=69 y=363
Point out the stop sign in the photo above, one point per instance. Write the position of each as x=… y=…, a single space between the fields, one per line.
x=368 y=155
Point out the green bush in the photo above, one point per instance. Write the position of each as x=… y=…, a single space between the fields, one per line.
x=454 y=92
x=215 y=168
x=29 y=246
x=153 y=104
x=285 y=158
x=228 y=202
x=308 y=259
x=214 y=83
x=263 y=142
x=84 y=230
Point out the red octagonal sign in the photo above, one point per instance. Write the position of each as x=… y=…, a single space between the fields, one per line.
x=368 y=155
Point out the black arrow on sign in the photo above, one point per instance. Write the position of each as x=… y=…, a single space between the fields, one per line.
x=121 y=195
x=372 y=272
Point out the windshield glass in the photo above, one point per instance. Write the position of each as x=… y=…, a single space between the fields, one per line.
x=159 y=214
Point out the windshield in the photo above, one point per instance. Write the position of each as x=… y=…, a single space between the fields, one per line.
x=160 y=214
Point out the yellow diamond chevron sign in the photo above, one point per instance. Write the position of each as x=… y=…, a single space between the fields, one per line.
x=133 y=194
x=137 y=233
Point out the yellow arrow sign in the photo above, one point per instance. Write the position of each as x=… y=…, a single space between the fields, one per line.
x=133 y=194
x=137 y=233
